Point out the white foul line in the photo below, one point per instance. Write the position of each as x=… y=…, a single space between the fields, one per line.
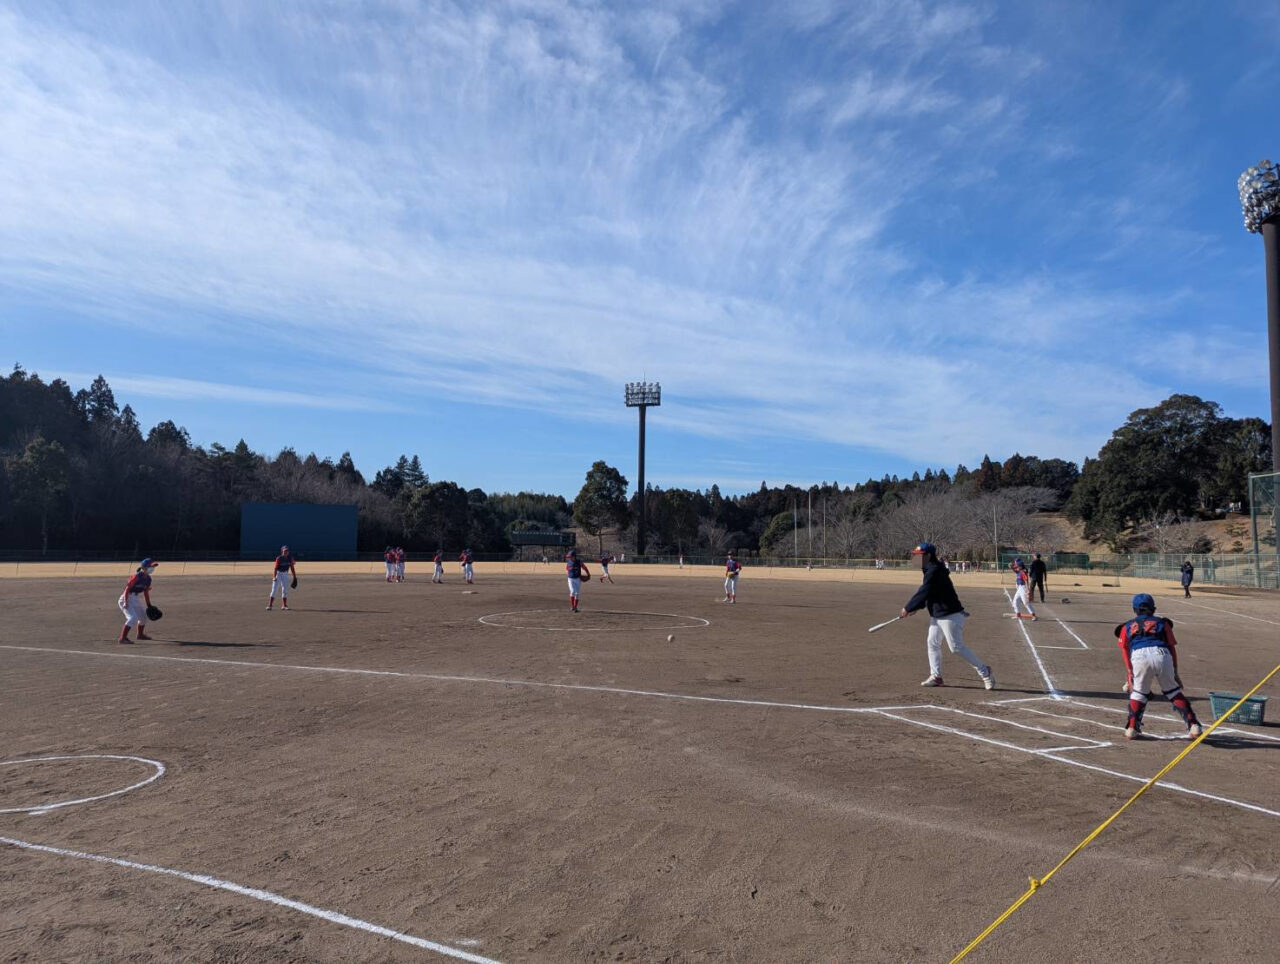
x=264 y=895
x=1054 y=692
x=880 y=711
x=1183 y=602
x=46 y=807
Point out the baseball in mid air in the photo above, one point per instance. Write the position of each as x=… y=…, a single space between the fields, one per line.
x=671 y=637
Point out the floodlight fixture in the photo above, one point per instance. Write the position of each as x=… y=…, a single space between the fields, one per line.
x=1260 y=194
x=1260 y=199
x=642 y=395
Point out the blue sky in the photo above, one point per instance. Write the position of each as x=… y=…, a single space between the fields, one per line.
x=848 y=238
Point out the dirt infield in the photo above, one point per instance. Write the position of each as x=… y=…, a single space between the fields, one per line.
x=418 y=772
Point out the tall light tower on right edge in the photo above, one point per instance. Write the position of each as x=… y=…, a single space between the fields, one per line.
x=1260 y=199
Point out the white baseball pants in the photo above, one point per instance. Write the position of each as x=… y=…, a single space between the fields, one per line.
x=1153 y=664
x=281 y=582
x=951 y=628
x=134 y=609
x=575 y=586
x=1020 y=595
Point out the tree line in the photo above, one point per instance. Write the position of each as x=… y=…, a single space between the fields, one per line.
x=77 y=472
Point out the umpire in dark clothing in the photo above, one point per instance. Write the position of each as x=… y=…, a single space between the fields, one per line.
x=1037 y=571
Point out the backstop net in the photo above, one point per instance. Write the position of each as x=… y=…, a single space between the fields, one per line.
x=1264 y=503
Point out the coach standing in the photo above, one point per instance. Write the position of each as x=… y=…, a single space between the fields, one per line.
x=1038 y=570
x=1188 y=573
x=946 y=617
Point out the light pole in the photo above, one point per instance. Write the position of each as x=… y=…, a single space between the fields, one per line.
x=1260 y=199
x=642 y=395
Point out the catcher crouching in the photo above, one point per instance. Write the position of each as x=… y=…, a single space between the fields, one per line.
x=135 y=602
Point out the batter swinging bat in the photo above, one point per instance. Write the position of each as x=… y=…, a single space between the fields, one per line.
x=882 y=625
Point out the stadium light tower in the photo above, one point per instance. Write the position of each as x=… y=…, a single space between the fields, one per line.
x=1260 y=199
x=641 y=395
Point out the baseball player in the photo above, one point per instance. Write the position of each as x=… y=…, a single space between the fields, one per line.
x=732 y=568
x=1151 y=655
x=438 y=561
x=465 y=559
x=283 y=572
x=946 y=617
x=400 y=557
x=1022 y=590
x=604 y=567
x=576 y=571
x=136 y=600
x=1037 y=572
x=389 y=559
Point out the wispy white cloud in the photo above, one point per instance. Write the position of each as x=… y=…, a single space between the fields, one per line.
x=191 y=389
x=461 y=194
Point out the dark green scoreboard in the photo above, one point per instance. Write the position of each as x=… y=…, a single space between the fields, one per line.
x=310 y=531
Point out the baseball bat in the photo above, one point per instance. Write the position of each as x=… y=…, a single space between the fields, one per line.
x=882 y=625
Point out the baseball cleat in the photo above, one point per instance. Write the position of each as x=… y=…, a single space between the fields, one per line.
x=1132 y=733
x=1194 y=730
x=989 y=681
x=933 y=681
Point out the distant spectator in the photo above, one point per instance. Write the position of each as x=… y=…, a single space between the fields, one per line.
x=1188 y=573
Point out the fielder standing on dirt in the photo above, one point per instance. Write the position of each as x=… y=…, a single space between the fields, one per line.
x=946 y=617
x=577 y=573
x=135 y=601
x=438 y=561
x=732 y=569
x=283 y=575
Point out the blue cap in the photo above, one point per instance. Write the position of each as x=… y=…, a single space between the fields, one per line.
x=149 y=563
x=925 y=549
x=1144 y=603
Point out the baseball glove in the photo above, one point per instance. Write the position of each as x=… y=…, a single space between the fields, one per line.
x=293 y=583
x=586 y=576
x=154 y=613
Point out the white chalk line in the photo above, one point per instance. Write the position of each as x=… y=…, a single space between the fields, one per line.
x=1177 y=721
x=1229 y=612
x=851 y=710
x=699 y=622
x=267 y=896
x=44 y=808
x=1165 y=785
x=1053 y=690
x=1070 y=631
x=1002 y=720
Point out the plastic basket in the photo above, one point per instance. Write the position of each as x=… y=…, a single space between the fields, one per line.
x=1251 y=713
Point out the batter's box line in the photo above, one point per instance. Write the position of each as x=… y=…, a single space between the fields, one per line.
x=1086 y=743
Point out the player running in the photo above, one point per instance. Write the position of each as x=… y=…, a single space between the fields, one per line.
x=946 y=617
x=136 y=600
x=604 y=567
x=283 y=573
x=732 y=569
x=1151 y=655
x=577 y=573
x=1022 y=590
x=438 y=561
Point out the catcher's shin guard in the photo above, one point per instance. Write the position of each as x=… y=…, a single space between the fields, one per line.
x=1183 y=706
x=1136 y=709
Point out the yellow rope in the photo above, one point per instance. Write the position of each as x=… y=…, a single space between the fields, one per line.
x=1037 y=884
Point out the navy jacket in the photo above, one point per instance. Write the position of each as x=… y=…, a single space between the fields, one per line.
x=936 y=592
